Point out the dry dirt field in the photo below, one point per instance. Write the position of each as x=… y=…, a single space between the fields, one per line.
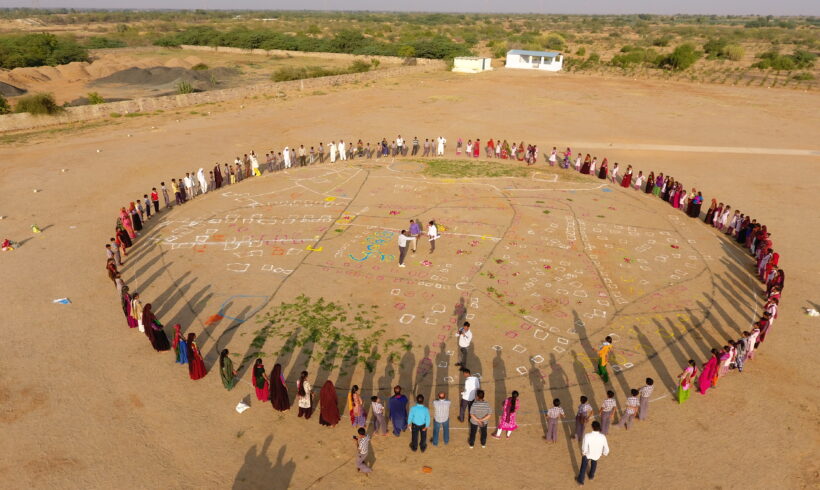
x=86 y=403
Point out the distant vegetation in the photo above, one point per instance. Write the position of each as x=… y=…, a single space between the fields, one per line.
x=38 y=104
x=287 y=73
x=39 y=49
x=5 y=108
x=766 y=50
x=345 y=41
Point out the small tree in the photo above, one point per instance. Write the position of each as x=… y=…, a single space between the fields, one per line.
x=681 y=58
x=407 y=51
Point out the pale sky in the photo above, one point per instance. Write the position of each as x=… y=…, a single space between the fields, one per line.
x=719 y=7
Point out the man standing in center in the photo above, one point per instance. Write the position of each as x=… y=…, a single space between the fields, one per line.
x=465 y=338
x=398 y=411
x=440 y=146
x=471 y=385
x=415 y=150
x=479 y=418
x=403 y=239
x=441 y=418
x=399 y=145
x=419 y=420
x=593 y=447
x=432 y=235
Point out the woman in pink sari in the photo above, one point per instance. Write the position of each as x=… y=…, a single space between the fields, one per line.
x=686 y=378
x=676 y=197
x=507 y=419
x=708 y=375
x=125 y=218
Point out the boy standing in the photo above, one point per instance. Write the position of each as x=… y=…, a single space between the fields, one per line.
x=646 y=392
x=362 y=449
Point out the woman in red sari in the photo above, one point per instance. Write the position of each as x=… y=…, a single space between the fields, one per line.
x=153 y=330
x=708 y=375
x=329 y=405
x=260 y=381
x=490 y=148
x=627 y=180
x=196 y=366
x=587 y=163
x=602 y=174
x=477 y=148
x=278 y=391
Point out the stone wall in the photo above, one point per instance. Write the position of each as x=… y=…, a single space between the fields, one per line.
x=16 y=122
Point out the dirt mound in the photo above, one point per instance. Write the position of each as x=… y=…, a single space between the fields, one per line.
x=73 y=71
x=162 y=75
x=7 y=90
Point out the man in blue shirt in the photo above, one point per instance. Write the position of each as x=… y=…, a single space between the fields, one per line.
x=419 y=420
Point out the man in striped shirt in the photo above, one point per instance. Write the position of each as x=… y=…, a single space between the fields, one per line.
x=553 y=414
x=646 y=392
x=441 y=418
x=480 y=413
x=362 y=449
x=632 y=404
x=608 y=413
x=581 y=418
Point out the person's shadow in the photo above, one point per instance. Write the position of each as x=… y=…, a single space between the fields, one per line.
x=258 y=472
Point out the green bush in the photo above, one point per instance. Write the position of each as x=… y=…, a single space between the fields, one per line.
x=581 y=51
x=634 y=56
x=733 y=52
x=38 y=104
x=95 y=98
x=661 y=42
x=184 y=87
x=554 y=42
x=5 y=108
x=800 y=59
x=288 y=73
x=407 y=51
x=200 y=67
x=99 y=42
x=39 y=49
x=802 y=77
x=359 y=66
x=681 y=58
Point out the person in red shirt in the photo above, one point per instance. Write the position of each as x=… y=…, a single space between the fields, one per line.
x=155 y=199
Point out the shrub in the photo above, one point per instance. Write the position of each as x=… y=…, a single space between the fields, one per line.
x=358 y=66
x=802 y=76
x=200 y=67
x=95 y=98
x=184 y=87
x=99 y=42
x=661 y=42
x=581 y=51
x=4 y=105
x=38 y=104
x=406 y=51
x=733 y=52
x=681 y=58
x=634 y=56
x=500 y=50
x=555 y=42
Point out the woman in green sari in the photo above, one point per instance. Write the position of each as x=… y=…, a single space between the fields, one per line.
x=226 y=370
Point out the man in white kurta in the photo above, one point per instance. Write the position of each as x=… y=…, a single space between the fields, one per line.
x=203 y=184
x=342 y=150
x=332 y=148
x=286 y=156
x=440 y=145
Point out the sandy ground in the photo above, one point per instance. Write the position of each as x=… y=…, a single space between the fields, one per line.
x=87 y=403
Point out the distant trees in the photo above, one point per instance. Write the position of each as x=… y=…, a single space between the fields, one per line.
x=39 y=49
x=345 y=41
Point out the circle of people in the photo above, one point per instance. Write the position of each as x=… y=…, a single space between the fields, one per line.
x=744 y=230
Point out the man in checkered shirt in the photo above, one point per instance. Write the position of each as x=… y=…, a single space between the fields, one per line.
x=632 y=404
x=553 y=415
x=581 y=418
x=646 y=392
x=362 y=449
x=608 y=412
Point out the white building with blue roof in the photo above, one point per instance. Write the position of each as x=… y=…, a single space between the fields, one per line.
x=534 y=60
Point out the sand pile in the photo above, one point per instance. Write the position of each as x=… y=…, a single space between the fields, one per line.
x=164 y=75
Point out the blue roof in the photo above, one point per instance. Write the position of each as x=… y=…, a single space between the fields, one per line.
x=550 y=54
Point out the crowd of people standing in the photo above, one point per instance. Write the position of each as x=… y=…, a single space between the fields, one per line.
x=473 y=409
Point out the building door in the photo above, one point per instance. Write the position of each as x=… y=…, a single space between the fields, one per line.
x=536 y=61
